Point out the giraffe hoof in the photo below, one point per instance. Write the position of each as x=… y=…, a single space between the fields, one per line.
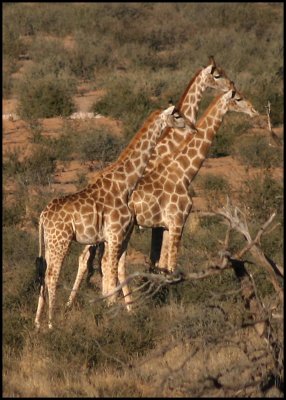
x=50 y=325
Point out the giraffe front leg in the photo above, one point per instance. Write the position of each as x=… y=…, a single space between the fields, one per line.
x=175 y=234
x=82 y=268
x=122 y=280
x=109 y=268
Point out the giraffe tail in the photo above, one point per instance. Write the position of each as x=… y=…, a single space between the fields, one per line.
x=41 y=264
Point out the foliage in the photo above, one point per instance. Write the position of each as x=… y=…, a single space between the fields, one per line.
x=254 y=151
x=36 y=169
x=263 y=195
x=128 y=101
x=99 y=144
x=45 y=94
x=141 y=54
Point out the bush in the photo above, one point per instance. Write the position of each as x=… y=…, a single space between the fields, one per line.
x=99 y=144
x=38 y=169
x=45 y=95
x=254 y=151
x=13 y=214
x=263 y=195
x=12 y=165
x=214 y=183
x=128 y=101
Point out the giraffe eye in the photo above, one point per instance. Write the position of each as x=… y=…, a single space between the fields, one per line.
x=217 y=76
x=239 y=99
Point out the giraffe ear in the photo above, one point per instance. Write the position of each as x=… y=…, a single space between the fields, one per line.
x=208 y=69
x=229 y=94
x=169 y=110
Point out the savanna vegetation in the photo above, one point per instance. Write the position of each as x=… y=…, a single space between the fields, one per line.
x=195 y=338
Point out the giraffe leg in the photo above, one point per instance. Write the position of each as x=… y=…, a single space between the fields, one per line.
x=52 y=275
x=163 y=261
x=175 y=234
x=90 y=269
x=82 y=268
x=122 y=278
x=109 y=268
x=156 y=245
x=122 y=271
x=41 y=304
x=43 y=292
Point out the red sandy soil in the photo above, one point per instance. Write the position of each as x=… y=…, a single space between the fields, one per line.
x=17 y=137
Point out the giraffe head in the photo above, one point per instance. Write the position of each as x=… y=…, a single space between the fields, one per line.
x=238 y=103
x=172 y=118
x=215 y=77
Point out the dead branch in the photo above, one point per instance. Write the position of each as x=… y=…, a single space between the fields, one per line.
x=238 y=222
x=273 y=137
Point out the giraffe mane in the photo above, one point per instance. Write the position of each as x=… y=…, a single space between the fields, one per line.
x=137 y=136
x=208 y=109
x=187 y=89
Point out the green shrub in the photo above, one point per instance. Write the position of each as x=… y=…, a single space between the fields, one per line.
x=36 y=129
x=40 y=167
x=45 y=95
x=277 y=108
x=126 y=102
x=254 y=151
x=36 y=169
x=263 y=195
x=214 y=183
x=99 y=144
x=13 y=214
x=12 y=165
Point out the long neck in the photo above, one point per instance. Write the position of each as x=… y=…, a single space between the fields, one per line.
x=188 y=106
x=190 y=100
x=134 y=158
x=193 y=151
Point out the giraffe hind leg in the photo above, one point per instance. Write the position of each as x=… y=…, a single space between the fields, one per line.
x=90 y=268
x=84 y=260
x=41 y=267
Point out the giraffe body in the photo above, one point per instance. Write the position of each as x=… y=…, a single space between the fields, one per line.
x=100 y=212
x=209 y=77
x=161 y=197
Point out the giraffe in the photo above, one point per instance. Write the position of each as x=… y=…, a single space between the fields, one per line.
x=161 y=197
x=210 y=76
x=99 y=212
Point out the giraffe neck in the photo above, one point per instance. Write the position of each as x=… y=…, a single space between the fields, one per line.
x=193 y=151
x=190 y=100
x=188 y=106
x=132 y=162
